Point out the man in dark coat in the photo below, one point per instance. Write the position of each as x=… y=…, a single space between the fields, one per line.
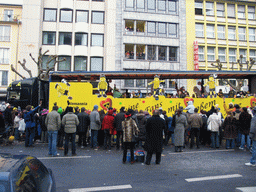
x=8 y=116
x=118 y=125
x=154 y=137
x=84 y=122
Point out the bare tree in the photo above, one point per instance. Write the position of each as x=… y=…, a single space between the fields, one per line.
x=249 y=65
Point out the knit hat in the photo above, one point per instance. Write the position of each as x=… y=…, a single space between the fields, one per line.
x=60 y=110
x=45 y=112
x=95 y=107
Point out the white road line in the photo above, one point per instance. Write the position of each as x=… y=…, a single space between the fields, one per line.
x=106 y=188
x=71 y=157
x=213 y=177
x=210 y=151
x=246 y=189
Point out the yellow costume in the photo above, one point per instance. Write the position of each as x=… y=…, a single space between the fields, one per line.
x=63 y=89
x=156 y=85
x=102 y=86
x=211 y=84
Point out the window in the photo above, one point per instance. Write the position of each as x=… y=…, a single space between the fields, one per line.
x=243 y=53
x=201 y=53
x=161 y=5
x=97 y=40
x=50 y=14
x=232 y=55
x=252 y=34
x=172 y=84
x=129 y=51
x=242 y=33
x=80 y=63
x=8 y=15
x=251 y=12
x=140 y=52
x=241 y=11
x=172 y=7
x=222 y=54
x=81 y=39
x=162 y=53
x=199 y=30
x=5 y=32
x=129 y=83
x=220 y=9
x=152 y=28
x=221 y=32
x=173 y=54
x=210 y=31
x=209 y=8
x=97 y=17
x=96 y=64
x=198 y=7
x=231 y=10
x=129 y=26
x=82 y=16
x=151 y=5
x=49 y=38
x=162 y=28
x=211 y=54
x=232 y=33
x=66 y=15
x=140 y=83
x=140 y=27
x=140 y=4
x=253 y=54
x=129 y=3
x=173 y=30
x=65 y=38
x=4 y=56
x=151 y=52
x=47 y=59
x=64 y=65
x=4 y=78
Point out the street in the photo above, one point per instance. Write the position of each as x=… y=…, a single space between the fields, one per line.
x=196 y=170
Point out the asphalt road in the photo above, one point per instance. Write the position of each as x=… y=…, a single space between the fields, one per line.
x=196 y=170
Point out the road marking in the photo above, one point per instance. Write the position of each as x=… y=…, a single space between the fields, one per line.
x=58 y=157
x=106 y=188
x=213 y=177
x=210 y=151
x=246 y=189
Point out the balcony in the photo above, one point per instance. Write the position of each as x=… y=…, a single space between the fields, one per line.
x=12 y=19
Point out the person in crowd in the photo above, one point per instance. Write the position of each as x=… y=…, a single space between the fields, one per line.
x=100 y=138
x=245 y=122
x=2 y=123
x=166 y=126
x=17 y=119
x=84 y=122
x=30 y=125
x=147 y=115
x=53 y=123
x=108 y=127
x=118 y=125
x=95 y=126
x=61 y=132
x=214 y=123
x=252 y=136
x=205 y=135
x=231 y=106
x=196 y=122
x=210 y=112
x=170 y=131
x=230 y=132
x=180 y=123
x=139 y=94
x=154 y=137
x=231 y=93
x=42 y=117
x=70 y=122
x=77 y=110
x=130 y=129
x=222 y=120
x=8 y=116
x=141 y=125
x=237 y=113
x=134 y=115
x=220 y=94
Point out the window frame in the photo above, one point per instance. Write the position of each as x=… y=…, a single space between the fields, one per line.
x=169 y=10
x=201 y=53
x=6 y=58
x=221 y=54
x=231 y=32
x=208 y=31
x=133 y=4
x=252 y=35
x=64 y=56
x=161 y=10
x=48 y=32
x=212 y=9
x=240 y=12
x=139 y=8
x=176 y=30
x=103 y=21
x=165 y=25
x=199 y=9
x=86 y=58
x=242 y=33
x=80 y=33
x=45 y=14
x=85 y=11
x=91 y=62
x=64 y=37
x=99 y=34
x=151 y=10
x=176 y=54
x=218 y=10
x=232 y=56
x=211 y=54
x=148 y=27
x=4 y=37
x=251 y=13
x=69 y=10
x=201 y=30
x=233 y=15
x=221 y=32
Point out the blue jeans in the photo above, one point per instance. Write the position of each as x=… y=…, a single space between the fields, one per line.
x=73 y=140
x=16 y=134
x=230 y=143
x=238 y=139
x=243 y=141
x=215 y=139
x=253 y=159
x=94 y=138
x=52 y=139
x=30 y=134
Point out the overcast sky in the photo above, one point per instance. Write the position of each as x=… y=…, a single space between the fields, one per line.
x=17 y=2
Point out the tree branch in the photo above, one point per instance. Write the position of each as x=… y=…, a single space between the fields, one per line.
x=15 y=71
x=24 y=67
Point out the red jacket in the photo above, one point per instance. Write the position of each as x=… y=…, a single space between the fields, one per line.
x=108 y=122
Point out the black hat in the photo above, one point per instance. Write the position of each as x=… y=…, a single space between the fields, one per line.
x=122 y=109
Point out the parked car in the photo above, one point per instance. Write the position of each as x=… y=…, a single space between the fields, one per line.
x=20 y=173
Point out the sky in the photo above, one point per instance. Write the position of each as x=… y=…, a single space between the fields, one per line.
x=16 y=2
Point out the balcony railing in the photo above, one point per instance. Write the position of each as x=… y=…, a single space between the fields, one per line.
x=9 y=18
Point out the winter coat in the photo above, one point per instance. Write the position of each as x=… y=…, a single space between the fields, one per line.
x=8 y=116
x=70 y=121
x=252 y=133
x=53 y=121
x=180 y=125
x=28 y=118
x=84 y=122
x=204 y=119
x=170 y=127
x=215 y=121
x=230 y=131
x=130 y=128
x=190 y=108
x=245 y=123
x=2 y=124
x=195 y=121
x=237 y=114
x=42 y=121
x=227 y=109
x=95 y=123
x=154 y=134
x=108 y=122
x=141 y=125
x=17 y=119
x=118 y=121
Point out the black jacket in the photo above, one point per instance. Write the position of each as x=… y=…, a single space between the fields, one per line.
x=141 y=125
x=84 y=122
x=118 y=121
x=8 y=116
